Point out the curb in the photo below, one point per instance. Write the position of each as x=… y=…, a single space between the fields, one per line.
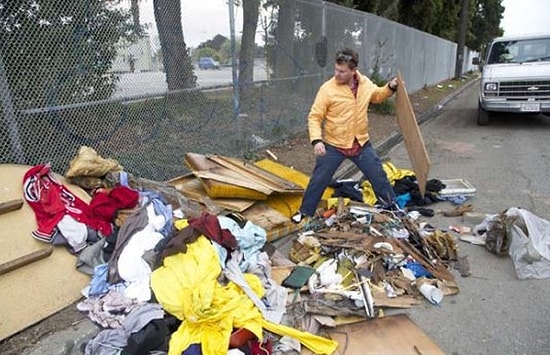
x=396 y=137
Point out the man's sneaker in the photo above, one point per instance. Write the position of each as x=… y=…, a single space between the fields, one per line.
x=298 y=217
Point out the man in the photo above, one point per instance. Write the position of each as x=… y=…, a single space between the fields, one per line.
x=338 y=130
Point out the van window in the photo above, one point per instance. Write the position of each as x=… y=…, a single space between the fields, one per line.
x=529 y=50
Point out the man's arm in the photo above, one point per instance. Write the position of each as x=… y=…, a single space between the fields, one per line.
x=381 y=93
x=316 y=117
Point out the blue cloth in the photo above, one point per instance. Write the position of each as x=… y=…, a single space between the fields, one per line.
x=123 y=177
x=418 y=270
x=193 y=349
x=403 y=199
x=455 y=199
x=325 y=166
x=161 y=207
x=98 y=283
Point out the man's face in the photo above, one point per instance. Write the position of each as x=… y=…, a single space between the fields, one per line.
x=342 y=73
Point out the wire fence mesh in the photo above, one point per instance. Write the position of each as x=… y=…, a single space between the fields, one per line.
x=86 y=72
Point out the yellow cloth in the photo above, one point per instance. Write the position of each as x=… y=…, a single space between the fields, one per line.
x=181 y=223
x=344 y=116
x=187 y=287
x=393 y=174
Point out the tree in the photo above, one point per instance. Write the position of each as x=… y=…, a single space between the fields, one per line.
x=215 y=43
x=134 y=9
x=384 y=8
x=284 y=39
x=251 y=10
x=58 y=53
x=485 y=23
x=177 y=61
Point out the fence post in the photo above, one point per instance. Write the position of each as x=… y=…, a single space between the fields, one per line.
x=235 y=77
x=9 y=115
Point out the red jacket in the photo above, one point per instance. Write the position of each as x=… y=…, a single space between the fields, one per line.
x=50 y=201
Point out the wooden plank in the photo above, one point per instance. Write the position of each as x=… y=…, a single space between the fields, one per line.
x=218 y=189
x=257 y=174
x=264 y=216
x=439 y=271
x=390 y=335
x=232 y=178
x=10 y=206
x=412 y=137
x=21 y=261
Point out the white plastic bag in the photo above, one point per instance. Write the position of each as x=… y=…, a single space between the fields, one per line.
x=530 y=243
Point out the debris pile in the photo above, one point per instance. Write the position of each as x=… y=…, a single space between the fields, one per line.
x=197 y=260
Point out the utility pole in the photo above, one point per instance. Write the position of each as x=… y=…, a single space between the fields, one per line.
x=461 y=38
x=236 y=108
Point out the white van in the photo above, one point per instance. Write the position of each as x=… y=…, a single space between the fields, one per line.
x=515 y=76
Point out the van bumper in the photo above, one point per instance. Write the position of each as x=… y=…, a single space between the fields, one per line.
x=502 y=105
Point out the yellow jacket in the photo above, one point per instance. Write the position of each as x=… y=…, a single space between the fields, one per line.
x=344 y=117
x=187 y=286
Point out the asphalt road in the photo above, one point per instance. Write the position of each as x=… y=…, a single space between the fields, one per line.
x=507 y=162
x=154 y=83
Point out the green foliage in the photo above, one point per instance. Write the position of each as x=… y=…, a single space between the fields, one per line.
x=485 y=23
x=439 y=17
x=387 y=107
x=217 y=49
x=60 y=52
x=215 y=43
x=207 y=52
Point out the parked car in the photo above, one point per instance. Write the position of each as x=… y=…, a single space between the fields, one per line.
x=515 y=76
x=208 y=63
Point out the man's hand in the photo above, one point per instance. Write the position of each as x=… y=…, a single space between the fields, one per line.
x=392 y=84
x=319 y=149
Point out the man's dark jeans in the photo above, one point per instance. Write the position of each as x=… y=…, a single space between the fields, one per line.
x=325 y=166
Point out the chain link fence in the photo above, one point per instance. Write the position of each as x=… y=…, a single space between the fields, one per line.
x=86 y=72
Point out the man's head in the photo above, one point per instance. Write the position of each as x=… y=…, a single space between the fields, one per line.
x=345 y=65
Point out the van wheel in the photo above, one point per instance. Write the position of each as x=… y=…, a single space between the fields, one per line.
x=482 y=116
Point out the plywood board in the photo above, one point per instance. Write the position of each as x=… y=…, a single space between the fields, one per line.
x=257 y=174
x=218 y=189
x=54 y=281
x=192 y=188
x=412 y=137
x=274 y=222
x=388 y=335
x=232 y=178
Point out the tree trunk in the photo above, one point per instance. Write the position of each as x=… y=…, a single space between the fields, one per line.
x=177 y=62
x=248 y=46
x=134 y=9
x=284 y=39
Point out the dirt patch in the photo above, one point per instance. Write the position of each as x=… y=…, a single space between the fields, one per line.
x=295 y=151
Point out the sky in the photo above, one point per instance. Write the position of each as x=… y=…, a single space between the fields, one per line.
x=525 y=17
x=203 y=19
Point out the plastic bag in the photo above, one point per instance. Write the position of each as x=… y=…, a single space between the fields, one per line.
x=530 y=243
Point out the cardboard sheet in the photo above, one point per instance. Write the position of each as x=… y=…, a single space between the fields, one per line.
x=412 y=137
x=388 y=335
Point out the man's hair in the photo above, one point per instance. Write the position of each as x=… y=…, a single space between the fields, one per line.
x=347 y=56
